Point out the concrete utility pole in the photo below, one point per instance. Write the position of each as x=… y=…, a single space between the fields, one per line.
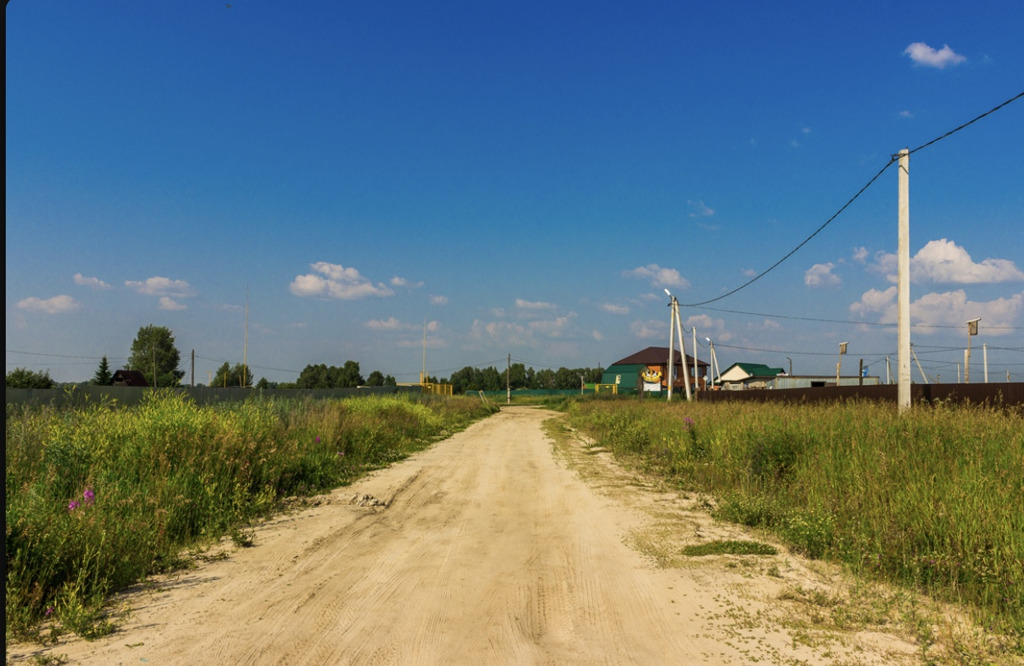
x=972 y=330
x=682 y=347
x=696 y=375
x=672 y=341
x=919 y=368
x=675 y=322
x=903 y=283
x=839 y=364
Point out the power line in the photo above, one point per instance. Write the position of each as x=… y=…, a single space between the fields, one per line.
x=891 y=161
x=969 y=122
x=851 y=322
x=89 y=358
x=794 y=250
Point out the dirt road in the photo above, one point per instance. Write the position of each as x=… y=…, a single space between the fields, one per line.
x=491 y=547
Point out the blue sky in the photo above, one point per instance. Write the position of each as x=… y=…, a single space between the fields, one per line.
x=519 y=179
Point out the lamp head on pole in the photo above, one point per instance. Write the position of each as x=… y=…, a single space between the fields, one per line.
x=972 y=326
x=842 y=347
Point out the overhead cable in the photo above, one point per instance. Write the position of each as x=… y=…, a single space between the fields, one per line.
x=891 y=161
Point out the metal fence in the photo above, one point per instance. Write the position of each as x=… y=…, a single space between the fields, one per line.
x=1005 y=394
x=204 y=395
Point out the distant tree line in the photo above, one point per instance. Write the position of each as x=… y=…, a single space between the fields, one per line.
x=322 y=376
x=153 y=354
x=518 y=376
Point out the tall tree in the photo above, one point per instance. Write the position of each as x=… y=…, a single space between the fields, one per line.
x=323 y=376
x=25 y=378
x=350 y=376
x=231 y=377
x=103 y=375
x=156 y=357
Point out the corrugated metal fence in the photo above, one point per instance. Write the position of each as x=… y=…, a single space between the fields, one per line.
x=132 y=395
x=1008 y=393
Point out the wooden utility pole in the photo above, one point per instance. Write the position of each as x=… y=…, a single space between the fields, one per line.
x=508 y=381
x=903 y=298
x=193 y=368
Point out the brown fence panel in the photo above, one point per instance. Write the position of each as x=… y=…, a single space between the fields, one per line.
x=1009 y=394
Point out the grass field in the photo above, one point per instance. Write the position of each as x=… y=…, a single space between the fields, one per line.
x=932 y=500
x=99 y=497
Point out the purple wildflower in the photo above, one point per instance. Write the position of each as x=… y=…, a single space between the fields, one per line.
x=317 y=440
x=89 y=496
x=74 y=504
x=49 y=611
x=689 y=422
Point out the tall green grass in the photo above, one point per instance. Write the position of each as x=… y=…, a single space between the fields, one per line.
x=99 y=497
x=933 y=499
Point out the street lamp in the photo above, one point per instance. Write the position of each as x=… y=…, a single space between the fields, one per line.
x=972 y=330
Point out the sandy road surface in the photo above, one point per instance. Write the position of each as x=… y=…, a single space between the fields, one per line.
x=490 y=549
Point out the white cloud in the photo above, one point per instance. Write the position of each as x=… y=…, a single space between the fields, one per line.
x=168 y=303
x=502 y=332
x=874 y=300
x=647 y=330
x=338 y=282
x=161 y=286
x=906 y=114
x=926 y=56
x=597 y=335
x=438 y=300
x=55 y=305
x=612 y=308
x=820 y=275
x=659 y=277
x=699 y=209
x=943 y=261
x=402 y=282
x=393 y=324
x=552 y=328
x=91 y=282
x=709 y=327
x=860 y=254
x=535 y=333
x=432 y=343
x=389 y=324
x=533 y=305
x=951 y=308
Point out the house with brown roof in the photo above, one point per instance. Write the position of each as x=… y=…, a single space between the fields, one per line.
x=647 y=371
x=128 y=378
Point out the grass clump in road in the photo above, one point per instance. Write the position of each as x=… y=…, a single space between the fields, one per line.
x=930 y=500
x=729 y=547
x=98 y=497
